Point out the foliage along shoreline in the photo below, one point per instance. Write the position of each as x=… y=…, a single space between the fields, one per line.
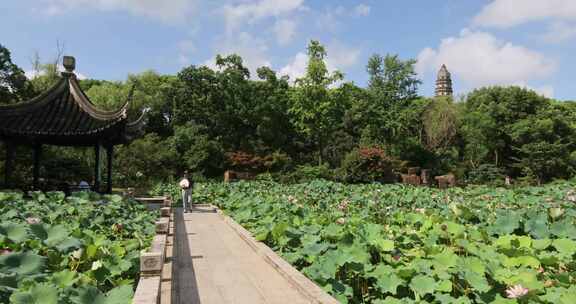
x=207 y=120
x=79 y=249
x=397 y=244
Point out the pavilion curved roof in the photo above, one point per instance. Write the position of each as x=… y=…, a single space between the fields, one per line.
x=64 y=115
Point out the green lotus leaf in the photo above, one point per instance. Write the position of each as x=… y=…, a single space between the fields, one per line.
x=527 y=278
x=8 y=281
x=21 y=263
x=500 y=300
x=568 y=297
x=384 y=245
x=38 y=294
x=564 y=229
x=386 y=280
x=446 y=259
x=453 y=228
x=541 y=244
x=314 y=249
x=477 y=281
x=422 y=285
x=88 y=295
x=17 y=233
x=64 y=278
x=556 y=212
x=447 y=299
x=120 y=295
x=506 y=223
x=444 y=286
x=358 y=253
x=333 y=231
x=389 y=300
x=565 y=246
x=67 y=244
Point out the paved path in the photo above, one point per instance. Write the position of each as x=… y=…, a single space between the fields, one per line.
x=212 y=264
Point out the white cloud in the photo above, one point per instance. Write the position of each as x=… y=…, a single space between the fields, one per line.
x=183 y=59
x=185 y=48
x=296 y=68
x=31 y=74
x=508 y=13
x=172 y=11
x=546 y=91
x=253 y=51
x=339 y=57
x=479 y=59
x=285 y=30
x=329 y=20
x=559 y=32
x=236 y=15
x=361 y=10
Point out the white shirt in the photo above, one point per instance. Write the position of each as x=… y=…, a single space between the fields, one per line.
x=184 y=183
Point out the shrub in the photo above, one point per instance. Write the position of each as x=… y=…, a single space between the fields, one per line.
x=305 y=173
x=369 y=164
x=244 y=161
x=486 y=174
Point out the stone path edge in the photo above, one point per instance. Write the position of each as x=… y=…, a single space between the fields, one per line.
x=304 y=285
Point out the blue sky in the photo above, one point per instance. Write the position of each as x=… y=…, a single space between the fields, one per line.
x=501 y=42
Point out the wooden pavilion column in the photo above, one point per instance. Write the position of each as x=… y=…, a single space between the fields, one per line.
x=110 y=159
x=97 y=168
x=36 y=172
x=9 y=165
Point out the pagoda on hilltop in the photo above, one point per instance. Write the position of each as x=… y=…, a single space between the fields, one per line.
x=443 y=82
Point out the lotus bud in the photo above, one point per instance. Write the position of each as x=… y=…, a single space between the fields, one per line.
x=32 y=220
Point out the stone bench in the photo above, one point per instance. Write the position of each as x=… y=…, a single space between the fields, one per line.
x=152 y=261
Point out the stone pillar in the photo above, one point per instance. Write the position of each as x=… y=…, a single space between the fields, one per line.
x=36 y=170
x=97 y=168
x=425 y=176
x=9 y=165
x=110 y=159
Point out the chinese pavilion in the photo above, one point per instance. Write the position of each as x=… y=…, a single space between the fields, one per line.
x=64 y=116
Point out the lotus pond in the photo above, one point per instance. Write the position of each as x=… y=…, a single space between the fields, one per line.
x=401 y=244
x=79 y=249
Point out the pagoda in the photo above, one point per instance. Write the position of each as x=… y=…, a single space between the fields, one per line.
x=65 y=116
x=443 y=82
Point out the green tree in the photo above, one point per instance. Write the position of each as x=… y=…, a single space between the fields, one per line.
x=490 y=113
x=315 y=110
x=391 y=88
x=545 y=143
x=196 y=150
x=14 y=86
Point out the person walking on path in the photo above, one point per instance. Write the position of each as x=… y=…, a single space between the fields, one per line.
x=186 y=187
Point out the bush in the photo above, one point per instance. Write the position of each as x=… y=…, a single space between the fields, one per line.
x=486 y=174
x=305 y=173
x=248 y=162
x=369 y=164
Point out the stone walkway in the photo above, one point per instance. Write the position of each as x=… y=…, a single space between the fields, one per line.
x=213 y=264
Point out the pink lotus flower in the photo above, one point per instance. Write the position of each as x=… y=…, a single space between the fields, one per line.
x=32 y=220
x=516 y=291
x=343 y=205
x=117 y=227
